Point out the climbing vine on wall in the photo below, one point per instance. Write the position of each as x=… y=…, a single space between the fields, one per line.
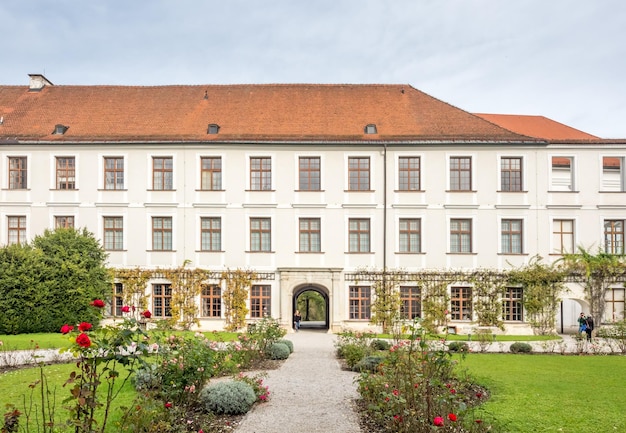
x=134 y=282
x=186 y=288
x=236 y=286
x=386 y=302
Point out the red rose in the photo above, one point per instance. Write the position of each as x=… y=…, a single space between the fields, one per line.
x=438 y=421
x=66 y=329
x=147 y=314
x=83 y=340
x=168 y=405
x=125 y=309
x=84 y=326
x=452 y=417
x=99 y=303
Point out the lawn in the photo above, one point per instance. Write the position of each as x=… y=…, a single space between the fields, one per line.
x=552 y=393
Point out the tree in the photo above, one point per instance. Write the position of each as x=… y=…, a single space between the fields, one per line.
x=598 y=273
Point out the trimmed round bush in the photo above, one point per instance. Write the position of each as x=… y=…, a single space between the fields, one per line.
x=380 y=345
x=229 y=398
x=521 y=347
x=369 y=363
x=278 y=351
x=458 y=347
x=287 y=343
x=146 y=378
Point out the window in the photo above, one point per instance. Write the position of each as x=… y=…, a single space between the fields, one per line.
x=359 y=235
x=614 y=236
x=309 y=173
x=162 y=233
x=162 y=173
x=113 y=173
x=260 y=301
x=613 y=174
x=563 y=236
x=562 y=173
x=614 y=310
x=360 y=301
x=409 y=172
x=117 y=301
x=113 y=233
x=461 y=303
x=460 y=173
x=17 y=172
x=358 y=174
x=410 y=235
x=16 y=229
x=370 y=129
x=511 y=236
x=65 y=172
x=411 y=298
x=260 y=173
x=162 y=300
x=511 y=174
x=260 y=234
x=310 y=235
x=460 y=235
x=512 y=304
x=63 y=222
x=211 y=301
x=211 y=234
x=211 y=173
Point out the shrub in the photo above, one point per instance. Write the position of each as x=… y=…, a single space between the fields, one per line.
x=278 y=351
x=521 y=347
x=287 y=343
x=264 y=333
x=353 y=346
x=230 y=398
x=369 y=363
x=380 y=344
x=146 y=378
x=458 y=347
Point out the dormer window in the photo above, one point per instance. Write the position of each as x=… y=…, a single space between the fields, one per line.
x=213 y=128
x=371 y=129
x=60 y=129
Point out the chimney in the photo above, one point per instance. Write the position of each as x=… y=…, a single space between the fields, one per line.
x=38 y=82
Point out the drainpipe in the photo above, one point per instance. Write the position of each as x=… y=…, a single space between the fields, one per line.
x=384 y=210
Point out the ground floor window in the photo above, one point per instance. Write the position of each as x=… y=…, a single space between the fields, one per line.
x=411 y=298
x=461 y=303
x=260 y=301
x=211 y=301
x=512 y=304
x=614 y=309
x=117 y=302
x=162 y=300
x=360 y=301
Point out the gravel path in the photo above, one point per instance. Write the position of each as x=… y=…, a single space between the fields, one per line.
x=308 y=393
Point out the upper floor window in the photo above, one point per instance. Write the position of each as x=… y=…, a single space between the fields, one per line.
x=613 y=175
x=511 y=236
x=359 y=235
x=460 y=173
x=512 y=304
x=460 y=235
x=211 y=234
x=113 y=173
x=260 y=234
x=162 y=233
x=17 y=172
x=614 y=236
x=410 y=235
x=260 y=173
x=211 y=173
x=409 y=173
x=65 y=172
x=563 y=236
x=16 y=233
x=162 y=173
x=411 y=302
x=309 y=173
x=562 y=173
x=63 y=222
x=511 y=174
x=461 y=303
x=310 y=234
x=113 y=233
x=359 y=174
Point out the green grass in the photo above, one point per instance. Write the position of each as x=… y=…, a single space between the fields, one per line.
x=464 y=337
x=552 y=393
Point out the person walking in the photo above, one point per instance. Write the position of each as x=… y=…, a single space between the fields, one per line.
x=297 y=318
x=589 y=326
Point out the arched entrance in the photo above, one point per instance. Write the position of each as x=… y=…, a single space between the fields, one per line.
x=312 y=301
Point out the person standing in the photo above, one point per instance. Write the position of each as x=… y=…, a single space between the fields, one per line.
x=297 y=318
x=589 y=326
x=582 y=323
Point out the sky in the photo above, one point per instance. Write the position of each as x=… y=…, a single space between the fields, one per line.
x=562 y=59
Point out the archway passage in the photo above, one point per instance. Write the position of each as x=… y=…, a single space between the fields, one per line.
x=312 y=302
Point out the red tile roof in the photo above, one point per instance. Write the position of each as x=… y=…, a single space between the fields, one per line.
x=272 y=112
x=537 y=126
